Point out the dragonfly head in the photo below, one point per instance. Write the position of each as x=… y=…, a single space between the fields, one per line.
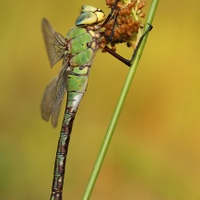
x=90 y=15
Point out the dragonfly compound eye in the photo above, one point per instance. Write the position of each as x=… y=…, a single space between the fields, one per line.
x=90 y=15
x=86 y=18
x=100 y=16
x=86 y=8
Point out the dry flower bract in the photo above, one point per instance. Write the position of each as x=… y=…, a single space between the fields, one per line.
x=128 y=27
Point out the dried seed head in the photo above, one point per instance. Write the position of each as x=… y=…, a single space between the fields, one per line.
x=108 y=26
x=123 y=26
x=129 y=6
x=108 y=33
x=128 y=12
x=142 y=26
x=115 y=12
x=117 y=35
x=130 y=18
x=103 y=40
x=131 y=30
x=127 y=25
x=139 y=12
x=119 y=30
x=112 y=21
x=133 y=3
x=123 y=31
x=141 y=5
x=135 y=23
x=113 y=2
x=119 y=20
x=130 y=25
x=114 y=48
x=142 y=15
x=119 y=5
x=123 y=19
x=122 y=11
x=102 y=45
x=103 y=51
x=108 y=2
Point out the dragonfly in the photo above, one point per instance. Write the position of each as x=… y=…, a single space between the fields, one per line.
x=77 y=50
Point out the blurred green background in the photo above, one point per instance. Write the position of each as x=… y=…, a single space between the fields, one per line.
x=155 y=151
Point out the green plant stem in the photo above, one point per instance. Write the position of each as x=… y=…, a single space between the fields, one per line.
x=118 y=107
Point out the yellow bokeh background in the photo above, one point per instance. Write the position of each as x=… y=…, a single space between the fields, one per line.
x=155 y=150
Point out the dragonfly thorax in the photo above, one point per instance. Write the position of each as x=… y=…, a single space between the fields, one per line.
x=83 y=43
x=89 y=16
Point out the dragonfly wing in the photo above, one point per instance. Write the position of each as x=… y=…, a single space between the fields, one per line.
x=55 y=115
x=53 y=96
x=49 y=99
x=55 y=42
x=60 y=92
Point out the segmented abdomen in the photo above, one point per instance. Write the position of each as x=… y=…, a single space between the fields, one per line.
x=76 y=87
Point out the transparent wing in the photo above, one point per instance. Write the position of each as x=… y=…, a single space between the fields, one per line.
x=60 y=87
x=49 y=99
x=55 y=115
x=53 y=96
x=55 y=42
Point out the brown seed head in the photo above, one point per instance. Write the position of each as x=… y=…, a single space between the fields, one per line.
x=131 y=30
x=103 y=51
x=119 y=20
x=115 y=12
x=123 y=26
x=128 y=12
x=133 y=3
x=103 y=40
x=119 y=30
x=114 y=48
x=112 y=21
x=102 y=45
x=123 y=19
x=142 y=15
x=113 y=2
x=130 y=24
x=108 y=2
x=119 y=4
x=123 y=31
x=135 y=23
x=129 y=33
x=108 y=33
x=141 y=5
x=139 y=12
x=126 y=28
x=129 y=6
x=116 y=34
x=122 y=11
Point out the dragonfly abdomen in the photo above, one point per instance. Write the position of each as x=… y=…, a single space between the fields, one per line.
x=76 y=87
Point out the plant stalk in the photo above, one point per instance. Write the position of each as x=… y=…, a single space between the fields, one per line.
x=119 y=106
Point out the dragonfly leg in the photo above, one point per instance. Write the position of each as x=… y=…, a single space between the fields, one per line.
x=112 y=32
x=125 y=61
x=110 y=14
x=136 y=49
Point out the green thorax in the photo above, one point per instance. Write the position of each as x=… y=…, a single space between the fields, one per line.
x=79 y=39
